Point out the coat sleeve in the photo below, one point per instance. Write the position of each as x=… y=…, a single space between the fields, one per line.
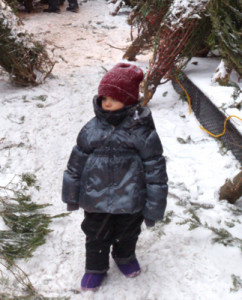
x=72 y=176
x=151 y=152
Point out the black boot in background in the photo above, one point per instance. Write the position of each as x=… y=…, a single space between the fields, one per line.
x=53 y=7
x=73 y=6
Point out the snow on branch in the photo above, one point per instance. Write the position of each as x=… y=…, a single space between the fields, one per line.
x=184 y=9
x=21 y=55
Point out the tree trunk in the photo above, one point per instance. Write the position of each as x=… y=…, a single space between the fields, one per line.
x=231 y=190
x=139 y=43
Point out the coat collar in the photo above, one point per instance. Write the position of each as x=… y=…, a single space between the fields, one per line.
x=112 y=117
x=126 y=117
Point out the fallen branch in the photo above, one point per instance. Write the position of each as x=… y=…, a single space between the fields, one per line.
x=122 y=49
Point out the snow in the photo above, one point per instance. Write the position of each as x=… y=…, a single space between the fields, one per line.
x=39 y=126
x=220 y=72
x=183 y=9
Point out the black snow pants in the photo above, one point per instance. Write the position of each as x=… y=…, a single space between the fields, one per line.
x=54 y=4
x=102 y=231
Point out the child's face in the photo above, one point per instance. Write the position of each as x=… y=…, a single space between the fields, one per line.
x=111 y=104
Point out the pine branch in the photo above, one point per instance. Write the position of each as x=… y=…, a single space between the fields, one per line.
x=226 y=20
x=223 y=236
x=237 y=283
x=28 y=226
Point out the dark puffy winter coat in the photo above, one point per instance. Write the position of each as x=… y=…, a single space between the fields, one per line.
x=118 y=169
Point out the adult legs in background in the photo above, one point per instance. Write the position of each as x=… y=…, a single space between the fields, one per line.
x=73 y=6
x=53 y=7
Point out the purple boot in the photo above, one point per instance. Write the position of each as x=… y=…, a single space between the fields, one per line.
x=131 y=269
x=91 y=282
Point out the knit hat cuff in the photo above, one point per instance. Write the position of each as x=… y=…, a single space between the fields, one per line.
x=110 y=90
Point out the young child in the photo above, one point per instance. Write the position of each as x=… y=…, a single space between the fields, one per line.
x=117 y=174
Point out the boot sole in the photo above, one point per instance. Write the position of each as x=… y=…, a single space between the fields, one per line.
x=132 y=275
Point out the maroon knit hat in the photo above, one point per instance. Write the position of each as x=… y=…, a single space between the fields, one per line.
x=122 y=83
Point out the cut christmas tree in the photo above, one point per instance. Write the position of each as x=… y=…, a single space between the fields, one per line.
x=177 y=40
x=24 y=58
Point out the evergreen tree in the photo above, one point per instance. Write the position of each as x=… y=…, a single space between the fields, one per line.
x=180 y=31
x=226 y=18
x=147 y=17
x=178 y=39
x=24 y=58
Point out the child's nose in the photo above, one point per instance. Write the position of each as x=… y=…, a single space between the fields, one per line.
x=107 y=102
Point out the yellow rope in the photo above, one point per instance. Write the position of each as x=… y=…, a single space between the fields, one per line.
x=188 y=97
x=225 y=122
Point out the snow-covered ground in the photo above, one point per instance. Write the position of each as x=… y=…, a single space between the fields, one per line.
x=39 y=126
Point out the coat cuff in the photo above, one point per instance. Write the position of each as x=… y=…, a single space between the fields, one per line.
x=149 y=223
x=72 y=206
